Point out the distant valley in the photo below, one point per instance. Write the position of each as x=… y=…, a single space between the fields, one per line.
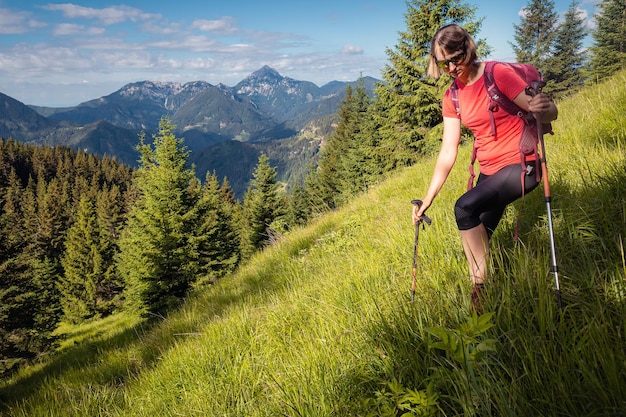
x=225 y=128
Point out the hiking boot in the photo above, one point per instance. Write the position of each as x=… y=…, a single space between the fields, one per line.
x=478 y=294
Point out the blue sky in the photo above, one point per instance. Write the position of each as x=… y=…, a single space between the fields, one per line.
x=61 y=54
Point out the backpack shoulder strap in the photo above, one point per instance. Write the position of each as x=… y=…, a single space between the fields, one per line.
x=454 y=96
x=497 y=98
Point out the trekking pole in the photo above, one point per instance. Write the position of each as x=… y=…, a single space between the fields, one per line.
x=419 y=223
x=537 y=86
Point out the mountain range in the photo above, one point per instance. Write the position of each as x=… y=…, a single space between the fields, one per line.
x=225 y=128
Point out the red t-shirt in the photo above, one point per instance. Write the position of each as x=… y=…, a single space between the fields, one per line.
x=492 y=152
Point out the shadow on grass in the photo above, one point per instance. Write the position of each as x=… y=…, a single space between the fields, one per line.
x=151 y=338
x=80 y=355
x=544 y=353
x=589 y=231
x=401 y=357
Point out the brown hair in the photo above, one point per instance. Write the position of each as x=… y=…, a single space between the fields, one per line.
x=449 y=39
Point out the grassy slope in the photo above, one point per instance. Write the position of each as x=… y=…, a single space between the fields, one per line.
x=321 y=322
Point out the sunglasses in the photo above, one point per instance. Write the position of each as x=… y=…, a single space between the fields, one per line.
x=456 y=60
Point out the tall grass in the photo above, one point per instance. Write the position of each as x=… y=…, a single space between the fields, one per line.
x=321 y=324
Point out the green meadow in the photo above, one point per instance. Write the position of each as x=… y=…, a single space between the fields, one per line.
x=322 y=323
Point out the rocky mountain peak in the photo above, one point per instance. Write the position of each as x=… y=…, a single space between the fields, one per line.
x=265 y=73
x=149 y=90
x=263 y=82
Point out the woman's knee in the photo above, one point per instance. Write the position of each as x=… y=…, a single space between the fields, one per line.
x=466 y=217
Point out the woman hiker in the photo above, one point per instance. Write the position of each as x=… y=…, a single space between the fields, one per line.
x=479 y=210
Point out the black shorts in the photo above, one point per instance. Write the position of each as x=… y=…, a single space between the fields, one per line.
x=485 y=203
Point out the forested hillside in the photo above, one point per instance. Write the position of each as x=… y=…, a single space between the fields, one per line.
x=84 y=237
x=55 y=201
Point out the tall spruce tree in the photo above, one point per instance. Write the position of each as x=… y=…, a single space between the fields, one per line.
x=608 y=53
x=565 y=68
x=90 y=285
x=216 y=237
x=82 y=265
x=299 y=207
x=349 y=161
x=109 y=215
x=158 y=259
x=338 y=156
x=534 y=36
x=12 y=241
x=358 y=166
x=28 y=310
x=262 y=204
x=409 y=104
x=331 y=164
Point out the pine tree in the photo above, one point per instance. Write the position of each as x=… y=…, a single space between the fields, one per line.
x=564 y=70
x=41 y=218
x=228 y=195
x=43 y=232
x=90 y=284
x=327 y=179
x=109 y=215
x=28 y=310
x=215 y=237
x=356 y=162
x=299 y=208
x=52 y=223
x=534 y=36
x=29 y=223
x=347 y=163
x=608 y=53
x=261 y=206
x=157 y=258
x=370 y=162
x=82 y=265
x=11 y=229
x=409 y=104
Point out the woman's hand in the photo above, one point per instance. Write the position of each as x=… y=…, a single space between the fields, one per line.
x=418 y=210
x=542 y=105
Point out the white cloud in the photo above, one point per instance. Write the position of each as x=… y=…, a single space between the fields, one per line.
x=275 y=40
x=196 y=44
x=224 y=25
x=590 y=22
x=352 y=50
x=67 y=29
x=160 y=28
x=13 y=23
x=83 y=57
x=108 y=15
x=26 y=61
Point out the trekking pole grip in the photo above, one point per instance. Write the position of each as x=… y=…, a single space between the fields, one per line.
x=425 y=218
x=538 y=86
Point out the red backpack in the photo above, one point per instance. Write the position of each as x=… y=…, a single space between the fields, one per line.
x=497 y=100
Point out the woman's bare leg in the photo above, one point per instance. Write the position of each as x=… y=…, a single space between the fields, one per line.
x=476 y=247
